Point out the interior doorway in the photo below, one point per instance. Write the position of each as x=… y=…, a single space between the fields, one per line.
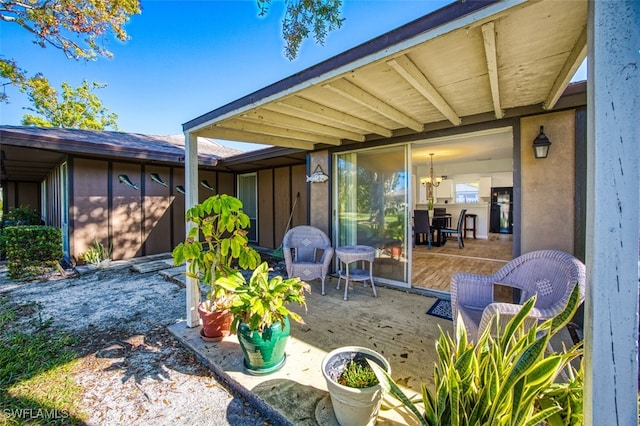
x=456 y=173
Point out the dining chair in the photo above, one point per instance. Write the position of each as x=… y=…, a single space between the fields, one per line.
x=439 y=213
x=457 y=231
x=421 y=228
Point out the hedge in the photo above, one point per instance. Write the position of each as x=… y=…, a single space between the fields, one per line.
x=31 y=250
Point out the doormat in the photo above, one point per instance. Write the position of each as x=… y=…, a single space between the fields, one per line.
x=441 y=309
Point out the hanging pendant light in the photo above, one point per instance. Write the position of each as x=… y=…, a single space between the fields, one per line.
x=432 y=179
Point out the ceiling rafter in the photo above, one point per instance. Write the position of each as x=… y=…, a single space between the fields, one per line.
x=268 y=129
x=489 y=38
x=364 y=98
x=220 y=132
x=306 y=106
x=573 y=62
x=264 y=115
x=410 y=72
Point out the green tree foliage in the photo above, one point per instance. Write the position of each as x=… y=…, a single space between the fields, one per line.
x=305 y=17
x=78 y=28
x=74 y=108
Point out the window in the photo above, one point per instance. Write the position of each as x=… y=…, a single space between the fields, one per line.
x=467 y=192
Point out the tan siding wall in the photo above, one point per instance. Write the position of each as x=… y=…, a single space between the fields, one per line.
x=22 y=194
x=299 y=185
x=89 y=217
x=211 y=178
x=265 y=208
x=177 y=207
x=226 y=183
x=156 y=235
x=126 y=217
x=548 y=184
x=282 y=202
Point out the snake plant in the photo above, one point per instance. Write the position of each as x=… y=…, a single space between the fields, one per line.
x=507 y=378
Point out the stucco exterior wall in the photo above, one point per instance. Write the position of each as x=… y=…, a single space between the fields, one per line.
x=548 y=201
x=320 y=193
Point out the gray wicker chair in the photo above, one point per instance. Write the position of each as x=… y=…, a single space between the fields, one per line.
x=550 y=274
x=307 y=253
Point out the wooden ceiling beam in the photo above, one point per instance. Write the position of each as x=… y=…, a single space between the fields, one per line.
x=268 y=129
x=571 y=65
x=366 y=99
x=306 y=106
x=219 y=132
x=410 y=72
x=264 y=115
x=489 y=38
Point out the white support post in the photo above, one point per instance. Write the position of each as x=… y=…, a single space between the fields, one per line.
x=613 y=213
x=191 y=199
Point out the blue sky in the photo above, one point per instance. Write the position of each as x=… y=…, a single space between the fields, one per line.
x=186 y=58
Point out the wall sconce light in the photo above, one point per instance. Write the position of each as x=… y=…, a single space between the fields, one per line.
x=541 y=144
x=180 y=189
x=157 y=179
x=318 y=175
x=125 y=179
x=206 y=184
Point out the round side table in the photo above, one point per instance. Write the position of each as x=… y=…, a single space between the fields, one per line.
x=357 y=253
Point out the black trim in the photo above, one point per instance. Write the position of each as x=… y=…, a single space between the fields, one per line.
x=580 y=188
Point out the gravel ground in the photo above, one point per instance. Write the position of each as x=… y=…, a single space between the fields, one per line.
x=132 y=371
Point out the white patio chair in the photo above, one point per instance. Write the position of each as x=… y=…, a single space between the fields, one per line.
x=550 y=274
x=307 y=253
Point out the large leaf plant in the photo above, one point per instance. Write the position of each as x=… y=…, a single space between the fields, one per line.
x=263 y=300
x=216 y=246
x=509 y=377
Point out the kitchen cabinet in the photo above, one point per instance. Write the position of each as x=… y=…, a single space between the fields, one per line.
x=445 y=189
x=484 y=189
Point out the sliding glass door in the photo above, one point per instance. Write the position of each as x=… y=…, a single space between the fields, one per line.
x=372 y=206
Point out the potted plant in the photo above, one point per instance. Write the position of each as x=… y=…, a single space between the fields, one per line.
x=97 y=255
x=507 y=377
x=355 y=395
x=221 y=223
x=261 y=316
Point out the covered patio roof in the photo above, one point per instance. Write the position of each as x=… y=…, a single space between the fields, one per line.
x=467 y=62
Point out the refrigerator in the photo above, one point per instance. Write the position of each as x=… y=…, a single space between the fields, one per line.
x=501 y=213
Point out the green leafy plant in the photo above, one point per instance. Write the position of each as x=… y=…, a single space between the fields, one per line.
x=31 y=250
x=96 y=253
x=262 y=301
x=358 y=374
x=221 y=223
x=22 y=216
x=500 y=380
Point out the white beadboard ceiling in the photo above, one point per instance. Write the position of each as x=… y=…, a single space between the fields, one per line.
x=462 y=62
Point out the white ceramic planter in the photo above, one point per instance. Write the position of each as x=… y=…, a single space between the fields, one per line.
x=352 y=406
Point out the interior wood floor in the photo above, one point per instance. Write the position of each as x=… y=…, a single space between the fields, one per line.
x=433 y=268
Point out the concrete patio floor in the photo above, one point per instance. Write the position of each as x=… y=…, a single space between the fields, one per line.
x=395 y=324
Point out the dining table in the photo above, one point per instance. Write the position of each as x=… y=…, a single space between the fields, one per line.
x=437 y=223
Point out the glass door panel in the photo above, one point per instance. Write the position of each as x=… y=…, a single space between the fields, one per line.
x=371 y=207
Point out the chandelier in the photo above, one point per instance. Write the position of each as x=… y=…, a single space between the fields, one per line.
x=432 y=179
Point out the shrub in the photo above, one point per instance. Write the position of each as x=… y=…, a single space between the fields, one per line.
x=22 y=216
x=31 y=250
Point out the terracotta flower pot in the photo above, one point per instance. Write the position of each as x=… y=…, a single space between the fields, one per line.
x=215 y=325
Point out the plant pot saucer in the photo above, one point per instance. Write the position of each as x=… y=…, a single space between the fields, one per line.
x=264 y=371
x=209 y=339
